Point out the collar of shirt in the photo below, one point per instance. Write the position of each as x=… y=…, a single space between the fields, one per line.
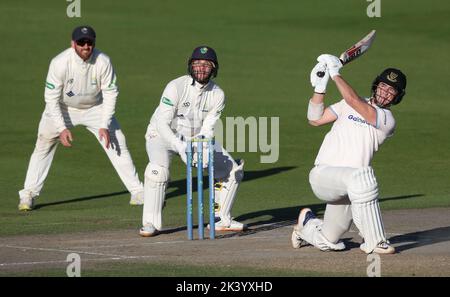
x=200 y=87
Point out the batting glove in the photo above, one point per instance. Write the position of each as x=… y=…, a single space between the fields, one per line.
x=333 y=64
x=319 y=78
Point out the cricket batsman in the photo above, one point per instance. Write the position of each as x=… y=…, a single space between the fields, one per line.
x=342 y=175
x=189 y=108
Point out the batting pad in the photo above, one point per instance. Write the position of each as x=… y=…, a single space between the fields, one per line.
x=363 y=193
x=372 y=227
x=156 y=179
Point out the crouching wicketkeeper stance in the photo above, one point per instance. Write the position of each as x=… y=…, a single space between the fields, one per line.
x=342 y=175
x=189 y=108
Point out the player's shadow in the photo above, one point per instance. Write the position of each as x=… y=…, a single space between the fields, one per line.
x=179 y=185
x=287 y=216
x=81 y=199
x=181 y=189
x=420 y=238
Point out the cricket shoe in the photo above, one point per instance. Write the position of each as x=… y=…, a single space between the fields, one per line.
x=137 y=198
x=26 y=203
x=231 y=226
x=148 y=231
x=383 y=248
x=305 y=215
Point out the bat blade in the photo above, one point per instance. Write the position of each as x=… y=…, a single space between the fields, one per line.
x=358 y=49
x=355 y=51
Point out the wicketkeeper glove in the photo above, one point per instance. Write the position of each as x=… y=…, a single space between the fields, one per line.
x=205 y=150
x=181 y=146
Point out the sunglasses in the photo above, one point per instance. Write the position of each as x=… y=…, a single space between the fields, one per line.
x=82 y=42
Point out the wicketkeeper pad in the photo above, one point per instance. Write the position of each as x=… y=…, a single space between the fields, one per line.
x=156 y=179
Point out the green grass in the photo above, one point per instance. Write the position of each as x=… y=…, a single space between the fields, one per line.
x=266 y=50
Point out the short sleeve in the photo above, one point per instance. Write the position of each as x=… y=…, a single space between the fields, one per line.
x=337 y=108
x=385 y=121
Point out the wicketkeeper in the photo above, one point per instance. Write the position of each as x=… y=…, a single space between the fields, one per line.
x=189 y=108
x=342 y=175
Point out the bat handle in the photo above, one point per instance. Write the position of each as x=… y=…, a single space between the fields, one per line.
x=322 y=73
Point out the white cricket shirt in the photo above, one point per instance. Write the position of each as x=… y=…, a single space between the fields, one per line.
x=74 y=83
x=187 y=110
x=352 y=141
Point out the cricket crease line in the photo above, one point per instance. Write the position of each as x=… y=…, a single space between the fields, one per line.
x=60 y=250
x=83 y=260
x=132 y=244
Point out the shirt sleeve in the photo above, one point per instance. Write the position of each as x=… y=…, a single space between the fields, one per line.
x=110 y=91
x=213 y=115
x=336 y=108
x=53 y=93
x=166 y=112
x=385 y=121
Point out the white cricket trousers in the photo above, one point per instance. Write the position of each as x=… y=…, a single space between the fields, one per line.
x=330 y=184
x=48 y=139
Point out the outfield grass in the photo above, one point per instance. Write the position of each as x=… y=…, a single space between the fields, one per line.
x=266 y=50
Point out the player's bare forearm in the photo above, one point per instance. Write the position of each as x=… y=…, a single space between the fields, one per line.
x=318 y=98
x=357 y=103
x=346 y=90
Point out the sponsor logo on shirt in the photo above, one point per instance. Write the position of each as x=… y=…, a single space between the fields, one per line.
x=166 y=101
x=49 y=85
x=357 y=119
x=186 y=104
x=70 y=81
x=112 y=85
x=70 y=94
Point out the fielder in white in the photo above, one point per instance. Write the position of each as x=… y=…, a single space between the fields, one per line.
x=80 y=89
x=190 y=106
x=342 y=175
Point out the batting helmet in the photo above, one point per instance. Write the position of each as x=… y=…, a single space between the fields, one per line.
x=396 y=79
x=204 y=53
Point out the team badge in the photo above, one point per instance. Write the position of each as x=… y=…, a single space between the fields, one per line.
x=84 y=30
x=203 y=50
x=392 y=77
